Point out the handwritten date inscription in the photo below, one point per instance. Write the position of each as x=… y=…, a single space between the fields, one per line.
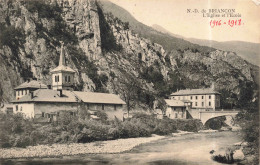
x=231 y=23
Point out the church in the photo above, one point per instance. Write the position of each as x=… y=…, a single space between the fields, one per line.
x=36 y=100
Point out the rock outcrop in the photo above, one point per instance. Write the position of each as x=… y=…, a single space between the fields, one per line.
x=106 y=55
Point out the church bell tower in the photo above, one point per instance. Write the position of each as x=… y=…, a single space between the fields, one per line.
x=62 y=76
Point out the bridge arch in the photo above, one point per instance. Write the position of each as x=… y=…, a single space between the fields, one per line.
x=207 y=115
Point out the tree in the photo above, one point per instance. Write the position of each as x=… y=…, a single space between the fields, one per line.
x=160 y=103
x=128 y=88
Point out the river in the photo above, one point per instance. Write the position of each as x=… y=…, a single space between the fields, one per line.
x=190 y=149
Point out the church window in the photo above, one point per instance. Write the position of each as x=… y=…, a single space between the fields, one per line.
x=196 y=104
x=209 y=103
x=209 y=97
x=191 y=97
x=196 y=97
x=68 y=78
x=16 y=107
x=56 y=78
x=202 y=104
x=202 y=97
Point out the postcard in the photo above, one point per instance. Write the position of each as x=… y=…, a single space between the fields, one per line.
x=129 y=82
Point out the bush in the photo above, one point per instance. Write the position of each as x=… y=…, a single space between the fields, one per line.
x=134 y=128
x=92 y=131
x=102 y=115
x=22 y=141
x=165 y=126
x=19 y=132
x=190 y=125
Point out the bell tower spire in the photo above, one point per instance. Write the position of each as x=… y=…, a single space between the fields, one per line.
x=62 y=58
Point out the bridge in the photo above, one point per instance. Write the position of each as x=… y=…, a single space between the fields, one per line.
x=204 y=116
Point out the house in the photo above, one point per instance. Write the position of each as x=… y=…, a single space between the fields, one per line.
x=203 y=99
x=176 y=109
x=42 y=102
x=27 y=87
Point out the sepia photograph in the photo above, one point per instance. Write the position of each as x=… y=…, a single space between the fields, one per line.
x=122 y=82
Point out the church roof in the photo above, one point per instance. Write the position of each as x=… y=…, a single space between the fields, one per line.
x=62 y=68
x=49 y=95
x=32 y=84
x=94 y=97
x=195 y=92
x=174 y=103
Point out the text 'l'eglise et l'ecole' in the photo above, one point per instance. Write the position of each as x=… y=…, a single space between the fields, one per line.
x=35 y=100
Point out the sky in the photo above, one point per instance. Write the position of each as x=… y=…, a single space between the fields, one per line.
x=172 y=15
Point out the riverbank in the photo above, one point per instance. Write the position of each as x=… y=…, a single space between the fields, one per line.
x=57 y=150
x=188 y=149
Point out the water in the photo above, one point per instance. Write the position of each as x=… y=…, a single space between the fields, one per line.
x=191 y=149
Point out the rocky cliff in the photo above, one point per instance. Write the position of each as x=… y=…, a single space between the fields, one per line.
x=108 y=56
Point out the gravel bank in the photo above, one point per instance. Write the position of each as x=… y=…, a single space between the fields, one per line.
x=56 y=150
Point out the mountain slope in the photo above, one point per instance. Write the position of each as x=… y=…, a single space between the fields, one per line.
x=110 y=57
x=168 y=42
x=247 y=50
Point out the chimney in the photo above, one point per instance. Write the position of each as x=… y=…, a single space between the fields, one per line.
x=213 y=86
x=31 y=94
x=60 y=92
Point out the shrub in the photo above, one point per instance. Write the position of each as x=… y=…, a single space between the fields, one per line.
x=22 y=141
x=92 y=131
x=65 y=118
x=165 y=127
x=102 y=115
x=134 y=128
x=190 y=125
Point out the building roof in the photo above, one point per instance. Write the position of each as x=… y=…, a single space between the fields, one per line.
x=174 y=103
x=49 y=95
x=62 y=68
x=94 y=97
x=195 y=92
x=32 y=84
